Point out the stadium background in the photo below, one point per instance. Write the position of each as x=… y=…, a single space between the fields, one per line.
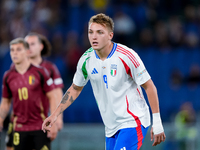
x=165 y=34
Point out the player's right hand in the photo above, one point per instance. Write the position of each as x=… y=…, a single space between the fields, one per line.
x=48 y=123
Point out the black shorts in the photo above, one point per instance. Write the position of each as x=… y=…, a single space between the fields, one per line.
x=9 y=136
x=29 y=140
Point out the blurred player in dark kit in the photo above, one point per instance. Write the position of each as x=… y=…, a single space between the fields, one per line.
x=39 y=47
x=32 y=91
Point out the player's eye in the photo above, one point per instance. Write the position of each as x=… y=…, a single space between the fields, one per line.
x=19 y=49
x=90 y=32
x=100 y=32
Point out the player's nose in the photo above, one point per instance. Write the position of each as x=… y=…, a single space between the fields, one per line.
x=94 y=36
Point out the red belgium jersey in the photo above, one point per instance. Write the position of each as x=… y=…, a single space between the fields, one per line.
x=54 y=73
x=28 y=91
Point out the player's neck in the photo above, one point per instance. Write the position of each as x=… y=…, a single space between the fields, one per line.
x=22 y=67
x=36 y=60
x=104 y=52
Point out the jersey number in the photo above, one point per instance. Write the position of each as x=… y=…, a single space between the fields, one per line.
x=105 y=80
x=23 y=93
x=16 y=138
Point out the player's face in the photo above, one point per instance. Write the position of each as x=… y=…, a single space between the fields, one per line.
x=18 y=53
x=99 y=36
x=34 y=45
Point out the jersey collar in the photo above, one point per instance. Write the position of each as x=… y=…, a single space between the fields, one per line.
x=111 y=53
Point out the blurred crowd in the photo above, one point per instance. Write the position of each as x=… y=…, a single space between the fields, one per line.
x=141 y=24
x=144 y=25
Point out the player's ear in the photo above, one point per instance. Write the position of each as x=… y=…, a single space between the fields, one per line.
x=27 y=52
x=111 y=35
x=41 y=47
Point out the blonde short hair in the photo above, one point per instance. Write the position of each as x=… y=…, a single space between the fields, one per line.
x=20 y=40
x=103 y=20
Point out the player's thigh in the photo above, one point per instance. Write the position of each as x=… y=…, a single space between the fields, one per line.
x=110 y=142
x=21 y=140
x=130 y=138
x=40 y=140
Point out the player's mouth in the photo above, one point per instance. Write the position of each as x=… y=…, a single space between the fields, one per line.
x=94 y=43
x=14 y=58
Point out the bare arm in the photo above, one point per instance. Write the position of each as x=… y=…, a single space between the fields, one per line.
x=157 y=132
x=4 y=110
x=53 y=103
x=52 y=100
x=59 y=95
x=69 y=97
x=152 y=95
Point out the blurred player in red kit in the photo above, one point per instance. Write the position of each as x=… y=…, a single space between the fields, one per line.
x=40 y=47
x=32 y=91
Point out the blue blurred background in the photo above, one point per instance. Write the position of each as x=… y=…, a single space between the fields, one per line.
x=165 y=34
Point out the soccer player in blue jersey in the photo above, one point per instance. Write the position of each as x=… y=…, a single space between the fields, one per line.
x=116 y=74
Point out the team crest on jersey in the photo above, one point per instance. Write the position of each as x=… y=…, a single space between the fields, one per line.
x=31 y=79
x=113 y=70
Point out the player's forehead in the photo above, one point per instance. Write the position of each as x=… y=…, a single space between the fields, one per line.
x=17 y=45
x=96 y=26
x=31 y=38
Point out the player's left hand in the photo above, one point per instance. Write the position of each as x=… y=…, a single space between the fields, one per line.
x=53 y=132
x=158 y=138
x=59 y=122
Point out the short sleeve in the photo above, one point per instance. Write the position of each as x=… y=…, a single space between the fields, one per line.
x=6 y=92
x=56 y=77
x=138 y=70
x=81 y=76
x=48 y=81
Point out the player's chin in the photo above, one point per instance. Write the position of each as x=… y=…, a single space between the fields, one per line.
x=15 y=60
x=97 y=48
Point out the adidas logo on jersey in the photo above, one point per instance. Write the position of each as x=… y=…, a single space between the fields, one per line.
x=94 y=71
